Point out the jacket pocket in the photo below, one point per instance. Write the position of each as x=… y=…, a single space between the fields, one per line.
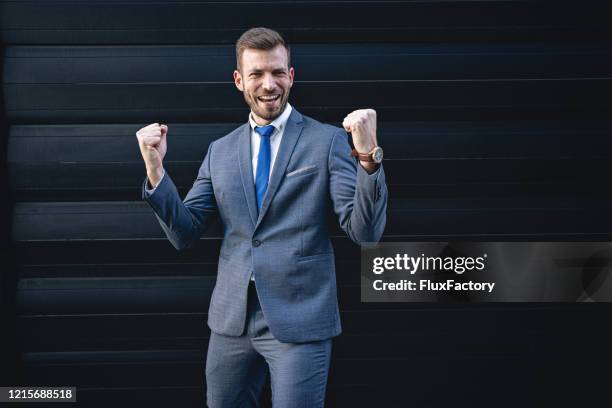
x=303 y=170
x=315 y=257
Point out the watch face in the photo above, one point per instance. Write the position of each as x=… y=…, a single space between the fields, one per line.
x=377 y=155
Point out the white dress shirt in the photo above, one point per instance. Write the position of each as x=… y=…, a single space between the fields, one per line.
x=275 y=139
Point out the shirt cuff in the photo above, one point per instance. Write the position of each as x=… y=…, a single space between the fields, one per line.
x=150 y=191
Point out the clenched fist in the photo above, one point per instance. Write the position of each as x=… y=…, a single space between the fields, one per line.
x=152 y=142
x=361 y=124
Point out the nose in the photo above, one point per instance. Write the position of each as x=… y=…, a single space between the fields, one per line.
x=268 y=83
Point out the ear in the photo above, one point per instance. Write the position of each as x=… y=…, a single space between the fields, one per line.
x=291 y=75
x=238 y=81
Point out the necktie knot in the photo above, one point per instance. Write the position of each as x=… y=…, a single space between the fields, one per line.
x=265 y=130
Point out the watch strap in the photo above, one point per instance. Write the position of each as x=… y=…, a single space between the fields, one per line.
x=365 y=157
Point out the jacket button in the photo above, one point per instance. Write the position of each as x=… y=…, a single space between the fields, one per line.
x=256 y=242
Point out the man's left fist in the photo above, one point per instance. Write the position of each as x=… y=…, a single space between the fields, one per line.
x=361 y=124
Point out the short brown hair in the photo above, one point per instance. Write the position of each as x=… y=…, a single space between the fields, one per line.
x=260 y=38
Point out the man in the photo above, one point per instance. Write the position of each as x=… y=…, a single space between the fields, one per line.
x=273 y=182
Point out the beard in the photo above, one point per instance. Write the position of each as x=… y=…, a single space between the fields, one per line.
x=268 y=113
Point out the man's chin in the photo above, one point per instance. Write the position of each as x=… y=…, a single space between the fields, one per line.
x=269 y=115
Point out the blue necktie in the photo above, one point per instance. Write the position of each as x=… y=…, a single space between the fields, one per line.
x=263 y=162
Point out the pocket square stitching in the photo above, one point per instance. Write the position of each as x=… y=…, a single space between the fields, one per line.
x=303 y=169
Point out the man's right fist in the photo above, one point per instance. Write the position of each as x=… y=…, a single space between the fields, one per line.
x=152 y=142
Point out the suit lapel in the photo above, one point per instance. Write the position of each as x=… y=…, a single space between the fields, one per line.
x=246 y=171
x=293 y=129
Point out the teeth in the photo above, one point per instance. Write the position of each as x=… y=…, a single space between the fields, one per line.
x=268 y=98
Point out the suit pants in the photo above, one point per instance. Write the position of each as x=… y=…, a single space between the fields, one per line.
x=237 y=367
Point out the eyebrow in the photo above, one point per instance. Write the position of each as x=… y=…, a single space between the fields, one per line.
x=259 y=70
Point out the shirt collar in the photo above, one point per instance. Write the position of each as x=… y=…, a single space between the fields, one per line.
x=278 y=123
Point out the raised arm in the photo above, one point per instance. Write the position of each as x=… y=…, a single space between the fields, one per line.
x=183 y=221
x=359 y=198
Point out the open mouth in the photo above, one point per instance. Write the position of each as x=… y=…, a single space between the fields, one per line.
x=268 y=98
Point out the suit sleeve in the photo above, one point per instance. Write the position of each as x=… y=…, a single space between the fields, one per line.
x=184 y=221
x=359 y=199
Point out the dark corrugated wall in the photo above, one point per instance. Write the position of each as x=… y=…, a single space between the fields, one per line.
x=495 y=119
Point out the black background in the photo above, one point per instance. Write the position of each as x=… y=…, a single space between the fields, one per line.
x=495 y=119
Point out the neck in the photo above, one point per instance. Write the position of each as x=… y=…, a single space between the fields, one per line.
x=260 y=121
x=263 y=122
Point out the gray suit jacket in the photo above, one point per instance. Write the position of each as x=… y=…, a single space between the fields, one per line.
x=286 y=245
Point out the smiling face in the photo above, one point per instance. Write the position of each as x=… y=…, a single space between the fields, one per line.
x=264 y=77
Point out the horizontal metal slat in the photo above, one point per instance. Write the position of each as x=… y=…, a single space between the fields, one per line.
x=57 y=22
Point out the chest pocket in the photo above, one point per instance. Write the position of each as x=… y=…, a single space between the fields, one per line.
x=302 y=171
